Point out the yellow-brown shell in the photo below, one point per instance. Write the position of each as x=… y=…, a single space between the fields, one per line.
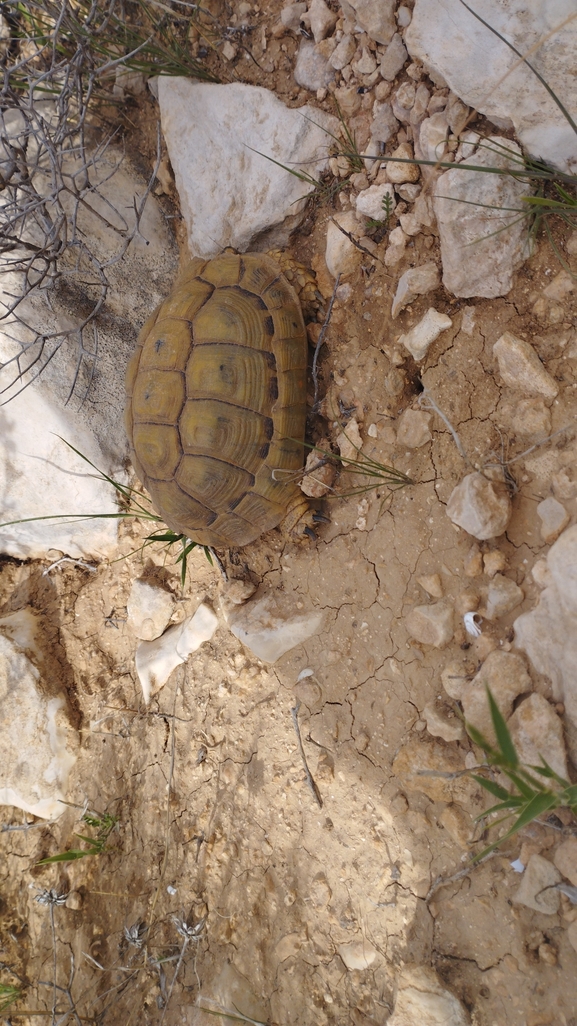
x=216 y=400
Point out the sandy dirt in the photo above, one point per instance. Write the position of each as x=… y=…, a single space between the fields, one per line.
x=215 y=816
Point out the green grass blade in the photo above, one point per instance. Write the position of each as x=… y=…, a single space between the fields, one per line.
x=502 y=732
x=492 y=787
x=64 y=856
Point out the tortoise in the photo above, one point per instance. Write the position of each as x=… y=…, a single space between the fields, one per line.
x=216 y=402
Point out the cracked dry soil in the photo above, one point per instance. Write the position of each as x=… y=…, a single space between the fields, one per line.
x=238 y=836
x=215 y=816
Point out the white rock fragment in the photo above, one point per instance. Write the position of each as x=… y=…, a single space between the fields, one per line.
x=560 y=287
x=370 y=202
x=431 y=583
x=417 y=281
x=531 y=419
x=312 y=70
x=322 y=20
x=480 y=507
x=269 y=626
x=537 y=890
x=358 y=954
x=376 y=19
x=318 y=477
x=422 y=999
x=485 y=72
x=401 y=171
x=37 y=742
x=414 y=429
x=537 y=731
x=291 y=15
x=419 y=338
x=384 y=124
x=503 y=595
x=393 y=58
x=342 y=54
x=228 y=192
x=505 y=674
x=365 y=65
x=432 y=624
x=521 y=368
x=548 y=634
x=483 y=240
x=554 y=519
x=155 y=660
x=341 y=255
x=149 y=609
x=349 y=441
x=433 y=137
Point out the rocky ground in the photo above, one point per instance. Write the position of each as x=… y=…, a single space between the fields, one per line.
x=349 y=897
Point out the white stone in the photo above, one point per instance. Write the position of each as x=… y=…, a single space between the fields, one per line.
x=467 y=146
x=537 y=890
x=554 y=519
x=521 y=368
x=432 y=624
x=312 y=70
x=343 y=53
x=358 y=954
x=443 y=722
x=414 y=429
x=366 y=63
x=155 y=660
x=505 y=674
x=565 y=859
x=483 y=239
x=560 y=287
x=422 y=1000
x=37 y=743
x=341 y=255
x=487 y=75
x=404 y=15
x=531 y=418
x=480 y=507
x=503 y=595
x=548 y=634
x=291 y=15
x=417 y=281
x=322 y=20
x=433 y=137
x=537 y=731
x=400 y=172
x=419 y=338
x=376 y=19
x=393 y=58
x=149 y=609
x=269 y=626
x=370 y=201
x=228 y=192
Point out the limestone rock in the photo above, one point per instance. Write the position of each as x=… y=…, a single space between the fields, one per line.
x=322 y=20
x=443 y=722
x=487 y=74
x=548 y=634
x=37 y=743
x=493 y=562
x=414 y=428
x=291 y=15
x=421 y=998
x=537 y=890
x=565 y=859
x=521 y=368
x=478 y=258
x=229 y=193
x=149 y=610
x=358 y=954
x=384 y=125
x=537 y=730
x=432 y=584
x=480 y=507
x=431 y=625
x=400 y=172
x=268 y=624
x=317 y=479
x=341 y=256
x=554 y=519
x=376 y=19
x=417 y=281
x=342 y=55
x=393 y=58
x=433 y=138
x=370 y=201
x=419 y=338
x=458 y=825
x=503 y=595
x=312 y=70
x=505 y=674
x=531 y=419
x=417 y=764
x=155 y=660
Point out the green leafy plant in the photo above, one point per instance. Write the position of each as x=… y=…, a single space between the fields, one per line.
x=535 y=789
x=104 y=824
x=8 y=995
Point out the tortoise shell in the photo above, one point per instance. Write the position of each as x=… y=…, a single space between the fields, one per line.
x=216 y=401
